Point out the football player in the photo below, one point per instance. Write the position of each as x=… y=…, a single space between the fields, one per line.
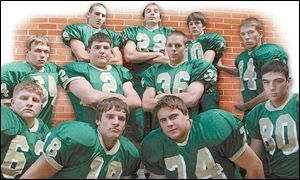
x=274 y=125
x=77 y=150
x=22 y=133
x=208 y=146
x=207 y=46
x=76 y=36
x=37 y=68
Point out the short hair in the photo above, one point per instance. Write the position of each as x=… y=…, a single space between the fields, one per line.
x=110 y=103
x=197 y=16
x=37 y=39
x=172 y=102
x=29 y=86
x=252 y=21
x=275 y=66
x=99 y=37
x=154 y=4
x=94 y=5
x=179 y=33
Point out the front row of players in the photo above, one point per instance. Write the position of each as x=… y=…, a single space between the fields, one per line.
x=201 y=147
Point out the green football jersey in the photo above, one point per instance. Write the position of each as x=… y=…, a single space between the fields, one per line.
x=48 y=78
x=146 y=41
x=83 y=32
x=207 y=152
x=109 y=80
x=76 y=149
x=20 y=146
x=168 y=79
x=205 y=42
x=249 y=66
x=278 y=128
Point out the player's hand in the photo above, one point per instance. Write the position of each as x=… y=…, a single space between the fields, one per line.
x=240 y=106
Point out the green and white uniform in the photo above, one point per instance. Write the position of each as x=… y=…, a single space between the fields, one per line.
x=207 y=152
x=249 y=66
x=196 y=50
x=76 y=149
x=278 y=129
x=48 y=78
x=108 y=80
x=83 y=32
x=166 y=78
x=20 y=146
x=146 y=41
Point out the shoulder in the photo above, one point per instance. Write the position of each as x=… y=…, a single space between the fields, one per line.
x=77 y=26
x=9 y=120
x=16 y=66
x=129 y=147
x=52 y=67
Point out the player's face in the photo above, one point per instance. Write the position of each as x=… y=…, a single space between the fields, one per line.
x=176 y=49
x=97 y=17
x=174 y=123
x=100 y=54
x=251 y=37
x=152 y=15
x=26 y=104
x=196 y=28
x=38 y=55
x=276 y=86
x=112 y=123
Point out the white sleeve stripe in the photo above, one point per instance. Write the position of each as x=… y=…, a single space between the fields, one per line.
x=53 y=163
x=239 y=152
x=65 y=84
x=156 y=176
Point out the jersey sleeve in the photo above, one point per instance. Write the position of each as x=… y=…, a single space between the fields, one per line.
x=152 y=156
x=268 y=52
x=213 y=42
x=129 y=34
x=252 y=125
x=66 y=147
x=71 y=32
x=148 y=76
x=116 y=39
x=72 y=71
x=125 y=74
x=9 y=80
x=9 y=125
x=202 y=70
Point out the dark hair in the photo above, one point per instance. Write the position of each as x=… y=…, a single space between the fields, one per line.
x=275 y=66
x=172 y=102
x=179 y=33
x=110 y=103
x=252 y=21
x=197 y=16
x=99 y=37
x=94 y=5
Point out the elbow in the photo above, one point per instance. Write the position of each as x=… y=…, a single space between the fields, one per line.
x=192 y=102
x=128 y=57
x=146 y=106
x=136 y=104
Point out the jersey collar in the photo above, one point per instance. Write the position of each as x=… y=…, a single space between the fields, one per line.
x=107 y=69
x=42 y=70
x=35 y=126
x=270 y=107
x=113 y=150
x=187 y=138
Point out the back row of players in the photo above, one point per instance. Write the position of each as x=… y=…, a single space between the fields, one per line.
x=163 y=62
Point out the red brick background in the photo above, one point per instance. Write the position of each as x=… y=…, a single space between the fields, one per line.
x=224 y=22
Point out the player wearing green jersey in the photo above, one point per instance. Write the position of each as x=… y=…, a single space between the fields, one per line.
x=144 y=46
x=274 y=125
x=22 y=133
x=77 y=150
x=37 y=68
x=76 y=36
x=207 y=46
x=201 y=147
x=181 y=77
x=248 y=63
x=92 y=82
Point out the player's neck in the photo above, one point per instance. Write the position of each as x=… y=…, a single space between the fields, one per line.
x=196 y=36
x=109 y=143
x=280 y=101
x=254 y=48
x=184 y=137
x=29 y=122
x=152 y=26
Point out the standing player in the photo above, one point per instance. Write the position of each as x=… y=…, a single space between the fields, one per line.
x=181 y=77
x=207 y=46
x=22 y=133
x=144 y=46
x=77 y=150
x=89 y=83
x=274 y=125
x=76 y=36
x=37 y=68
x=249 y=62
x=197 y=148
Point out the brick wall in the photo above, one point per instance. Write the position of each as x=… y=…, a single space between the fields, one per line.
x=224 y=22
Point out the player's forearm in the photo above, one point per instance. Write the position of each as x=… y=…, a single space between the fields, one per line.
x=148 y=103
x=255 y=170
x=133 y=102
x=140 y=57
x=253 y=102
x=160 y=60
x=116 y=60
x=231 y=70
x=190 y=100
